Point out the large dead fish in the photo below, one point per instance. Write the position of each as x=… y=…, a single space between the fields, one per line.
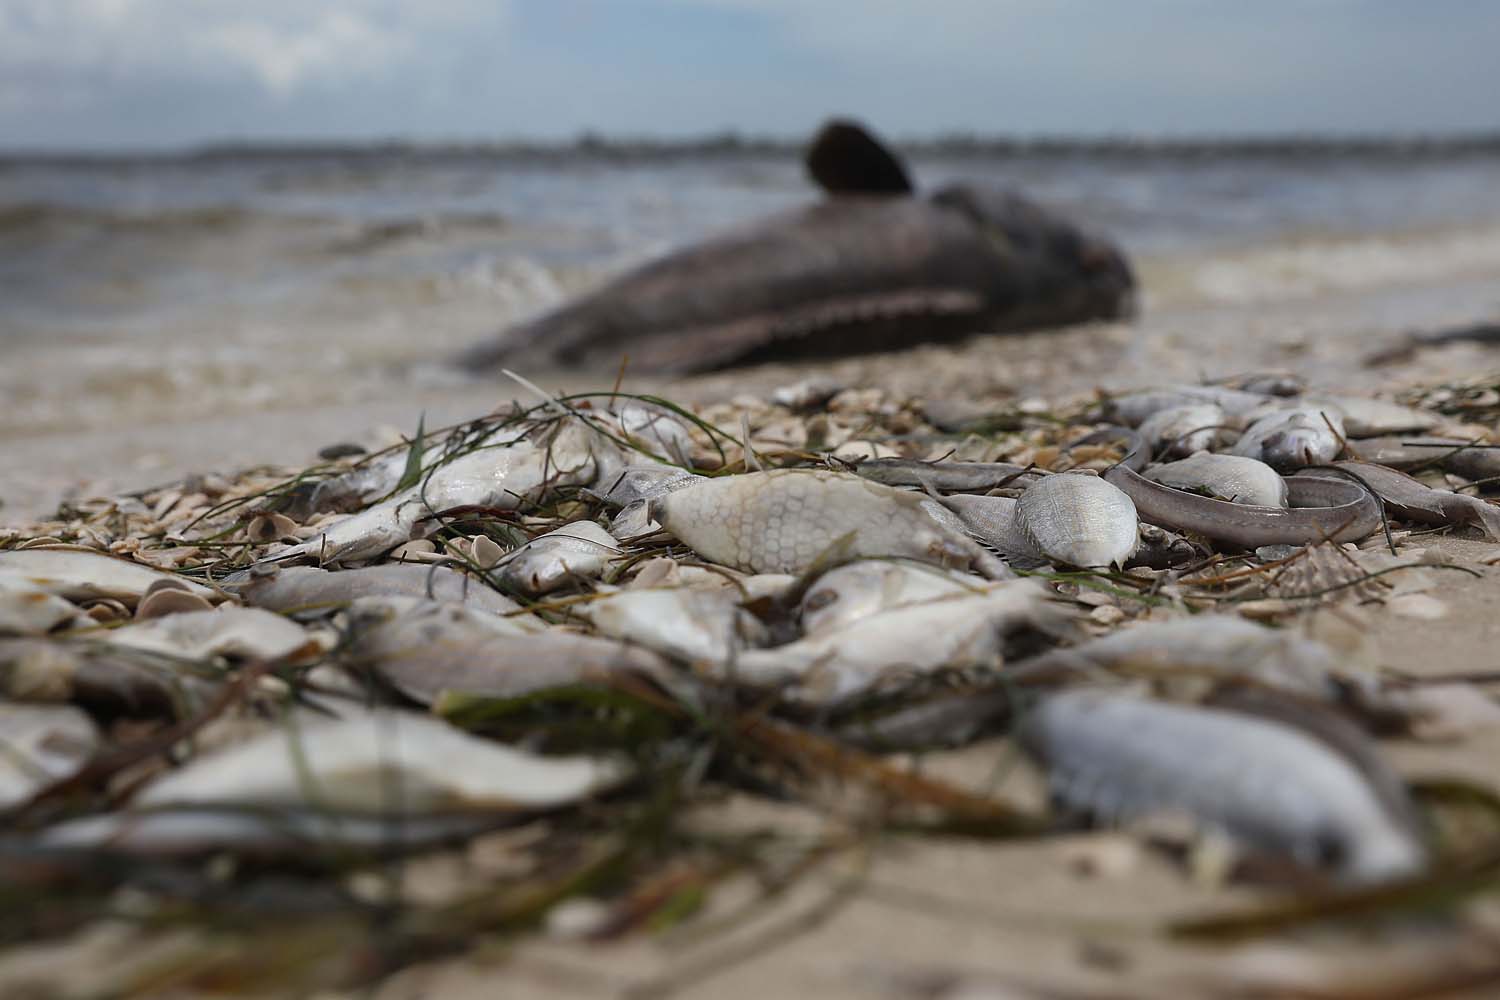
x=872 y=268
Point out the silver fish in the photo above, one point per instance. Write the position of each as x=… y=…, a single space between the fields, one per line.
x=1078 y=520
x=856 y=590
x=781 y=521
x=576 y=551
x=957 y=631
x=40 y=744
x=1224 y=477
x=1291 y=439
x=1269 y=785
x=1179 y=431
x=1132 y=409
x=296 y=587
x=83 y=574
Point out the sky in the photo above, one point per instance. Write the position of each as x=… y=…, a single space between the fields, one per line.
x=151 y=74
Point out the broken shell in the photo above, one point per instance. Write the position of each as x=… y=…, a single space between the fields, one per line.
x=168 y=601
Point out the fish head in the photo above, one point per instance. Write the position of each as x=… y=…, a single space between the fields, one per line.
x=1083 y=273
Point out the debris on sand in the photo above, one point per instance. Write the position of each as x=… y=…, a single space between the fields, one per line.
x=577 y=622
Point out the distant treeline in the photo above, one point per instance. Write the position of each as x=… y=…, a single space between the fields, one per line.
x=592 y=147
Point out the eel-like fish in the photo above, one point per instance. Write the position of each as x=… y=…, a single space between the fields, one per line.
x=871 y=268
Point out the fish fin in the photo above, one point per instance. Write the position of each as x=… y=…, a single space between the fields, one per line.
x=846 y=159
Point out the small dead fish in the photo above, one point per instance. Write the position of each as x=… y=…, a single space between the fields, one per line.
x=428 y=649
x=1179 y=431
x=1268 y=785
x=504 y=477
x=1132 y=409
x=1223 y=477
x=1219 y=647
x=634 y=483
x=344 y=781
x=1365 y=417
x=83 y=574
x=28 y=610
x=688 y=624
x=229 y=631
x=856 y=590
x=1410 y=500
x=295 y=588
x=957 y=631
x=41 y=744
x=1291 y=439
x=579 y=550
x=781 y=521
x=106 y=681
x=1078 y=520
x=1448 y=454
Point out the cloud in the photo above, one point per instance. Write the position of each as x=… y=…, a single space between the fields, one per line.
x=71 y=52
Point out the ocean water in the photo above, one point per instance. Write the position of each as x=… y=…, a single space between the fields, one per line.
x=132 y=287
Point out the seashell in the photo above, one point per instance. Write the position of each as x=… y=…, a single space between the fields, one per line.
x=1268 y=785
x=169 y=601
x=420 y=550
x=1078 y=520
x=485 y=551
x=781 y=521
x=265 y=528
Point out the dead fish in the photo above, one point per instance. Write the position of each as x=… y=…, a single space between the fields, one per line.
x=848 y=593
x=344 y=781
x=429 y=649
x=107 y=681
x=295 y=588
x=1178 y=431
x=1133 y=409
x=992 y=520
x=688 y=624
x=872 y=268
x=1078 y=520
x=1224 y=477
x=503 y=477
x=957 y=631
x=247 y=633
x=580 y=550
x=1410 y=500
x=1365 y=417
x=83 y=574
x=39 y=745
x=635 y=483
x=781 y=521
x=1291 y=439
x=1220 y=647
x=1268 y=785
x=29 y=610
x=1454 y=455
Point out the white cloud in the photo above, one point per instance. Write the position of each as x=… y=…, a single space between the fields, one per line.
x=67 y=51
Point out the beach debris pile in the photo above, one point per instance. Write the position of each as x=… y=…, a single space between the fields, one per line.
x=548 y=637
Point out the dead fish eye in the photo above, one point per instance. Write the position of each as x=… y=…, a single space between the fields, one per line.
x=820 y=599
